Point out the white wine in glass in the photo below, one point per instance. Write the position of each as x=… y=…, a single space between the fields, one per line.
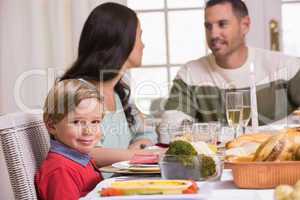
x=246 y=108
x=234 y=103
x=234 y=117
x=246 y=113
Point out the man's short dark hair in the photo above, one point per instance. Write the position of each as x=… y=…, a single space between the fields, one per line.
x=239 y=7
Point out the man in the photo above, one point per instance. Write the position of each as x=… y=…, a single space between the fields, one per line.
x=199 y=87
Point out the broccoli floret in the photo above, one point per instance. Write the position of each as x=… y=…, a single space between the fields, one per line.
x=180 y=147
x=208 y=166
x=184 y=151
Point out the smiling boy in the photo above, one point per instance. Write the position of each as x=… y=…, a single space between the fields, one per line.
x=73 y=112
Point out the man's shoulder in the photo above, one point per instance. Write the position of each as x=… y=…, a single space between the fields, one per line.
x=196 y=65
x=201 y=62
x=195 y=71
x=266 y=53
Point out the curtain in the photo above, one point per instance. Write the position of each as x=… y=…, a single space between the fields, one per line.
x=38 y=41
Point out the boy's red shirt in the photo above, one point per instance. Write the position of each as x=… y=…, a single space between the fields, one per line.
x=62 y=178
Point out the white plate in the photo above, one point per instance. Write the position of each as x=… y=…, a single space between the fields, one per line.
x=204 y=193
x=140 y=167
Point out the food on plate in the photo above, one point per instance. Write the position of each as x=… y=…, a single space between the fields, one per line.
x=150 y=187
x=293 y=131
x=245 y=150
x=278 y=148
x=144 y=159
x=248 y=158
x=184 y=161
x=294 y=134
x=297 y=154
x=184 y=151
x=248 y=138
x=282 y=146
x=180 y=147
x=204 y=148
x=283 y=192
x=287 y=192
x=297 y=185
x=208 y=166
x=244 y=147
x=295 y=195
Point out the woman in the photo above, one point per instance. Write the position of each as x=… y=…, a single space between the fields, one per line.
x=110 y=44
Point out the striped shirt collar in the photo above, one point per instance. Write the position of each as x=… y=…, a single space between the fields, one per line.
x=76 y=156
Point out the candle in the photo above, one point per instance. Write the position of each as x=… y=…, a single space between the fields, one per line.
x=254 y=114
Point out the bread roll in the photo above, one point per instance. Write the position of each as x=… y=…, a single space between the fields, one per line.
x=248 y=158
x=255 y=137
x=277 y=148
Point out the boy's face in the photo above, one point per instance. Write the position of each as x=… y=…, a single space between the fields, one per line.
x=80 y=129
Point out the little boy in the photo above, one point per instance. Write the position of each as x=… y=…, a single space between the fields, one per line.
x=72 y=113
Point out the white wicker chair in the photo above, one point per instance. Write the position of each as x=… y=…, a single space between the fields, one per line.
x=25 y=144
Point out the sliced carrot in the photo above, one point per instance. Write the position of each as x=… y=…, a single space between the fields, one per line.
x=189 y=191
x=192 y=189
x=105 y=192
x=194 y=186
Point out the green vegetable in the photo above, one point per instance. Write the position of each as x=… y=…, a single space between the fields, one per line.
x=208 y=166
x=180 y=147
x=184 y=152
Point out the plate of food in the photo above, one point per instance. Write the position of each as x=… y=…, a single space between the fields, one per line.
x=126 y=165
x=146 y=189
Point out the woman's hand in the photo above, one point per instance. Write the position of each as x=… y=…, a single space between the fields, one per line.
x=146 y=143
x=140 y=144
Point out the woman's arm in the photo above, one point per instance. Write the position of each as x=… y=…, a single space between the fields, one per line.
x=144 y=132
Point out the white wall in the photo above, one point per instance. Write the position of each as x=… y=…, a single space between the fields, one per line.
x=37 y=38
x=261 y=12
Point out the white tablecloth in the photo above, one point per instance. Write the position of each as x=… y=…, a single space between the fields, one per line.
x=219 y=190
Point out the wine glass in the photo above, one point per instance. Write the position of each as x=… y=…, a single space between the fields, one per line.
x=234 y=103
x=206 y=132
x=201 y=132
x=246 y=108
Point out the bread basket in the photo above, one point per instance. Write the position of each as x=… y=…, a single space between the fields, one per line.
x=263 y=175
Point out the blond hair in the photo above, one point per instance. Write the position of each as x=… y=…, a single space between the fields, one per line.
x=65 y=96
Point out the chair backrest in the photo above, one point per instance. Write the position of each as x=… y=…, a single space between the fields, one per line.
x=25 y=143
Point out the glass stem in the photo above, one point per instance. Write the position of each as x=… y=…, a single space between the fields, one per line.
x=235 y=132
x=244 y=129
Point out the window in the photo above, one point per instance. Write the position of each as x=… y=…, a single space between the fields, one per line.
x=173 y=33
x=290 y=27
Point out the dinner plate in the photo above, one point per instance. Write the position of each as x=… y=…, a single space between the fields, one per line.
x=204 y=192
x=111 y=169
x=140 y=167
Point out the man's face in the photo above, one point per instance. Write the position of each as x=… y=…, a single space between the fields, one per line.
x=225 y=32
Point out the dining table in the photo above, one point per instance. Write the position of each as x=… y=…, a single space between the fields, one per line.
x=222 y=189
